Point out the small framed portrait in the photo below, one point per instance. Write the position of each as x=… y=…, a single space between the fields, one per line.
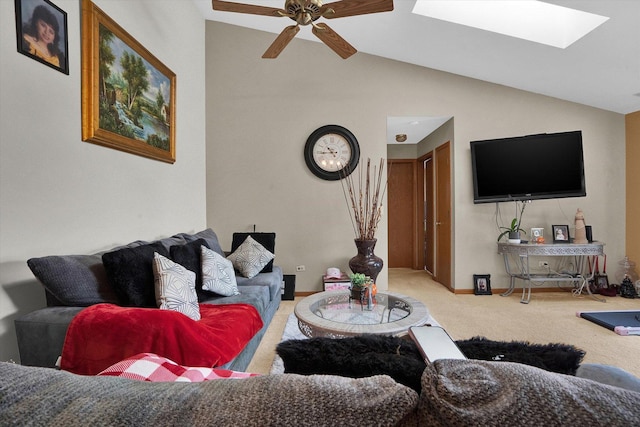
x=482 y=284
x=560 y=233
x=41 y=33
x=537 y=235
x=602 y=281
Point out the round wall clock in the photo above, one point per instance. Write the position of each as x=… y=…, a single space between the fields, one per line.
x=331 y=152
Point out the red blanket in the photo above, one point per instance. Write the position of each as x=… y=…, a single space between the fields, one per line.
x=104 y=334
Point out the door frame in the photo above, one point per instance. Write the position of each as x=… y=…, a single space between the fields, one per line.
x=425 y=256
x=443 y=188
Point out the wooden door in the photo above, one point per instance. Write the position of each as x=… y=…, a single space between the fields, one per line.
x=442 y=161
x=401 y=202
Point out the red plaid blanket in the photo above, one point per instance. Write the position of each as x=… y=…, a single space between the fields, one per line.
x=154 y=368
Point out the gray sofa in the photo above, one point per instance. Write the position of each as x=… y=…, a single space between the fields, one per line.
x=73 y=282
x=454 y=393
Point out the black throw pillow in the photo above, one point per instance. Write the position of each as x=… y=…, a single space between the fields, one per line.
x=130 y=271
x=268 y=240
x=355 y=357
x=189 y=256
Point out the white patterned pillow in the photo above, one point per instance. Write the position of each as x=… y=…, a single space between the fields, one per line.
x=250 y=258
x=217 y=273
x=175 y=287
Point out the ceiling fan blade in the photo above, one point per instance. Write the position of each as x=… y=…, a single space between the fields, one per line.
x=228 y=6
x=333 y=40
x=355 y=7
x=281 y=42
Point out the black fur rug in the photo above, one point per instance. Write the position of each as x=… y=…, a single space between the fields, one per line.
x=367 y=355
x=560 y=358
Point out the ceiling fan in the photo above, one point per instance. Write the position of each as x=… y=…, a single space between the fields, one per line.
x=306 y=12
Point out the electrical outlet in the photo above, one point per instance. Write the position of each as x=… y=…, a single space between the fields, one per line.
x=543 y=264
x=300 y=268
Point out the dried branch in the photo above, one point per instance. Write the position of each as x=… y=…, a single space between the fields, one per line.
x=364 y=199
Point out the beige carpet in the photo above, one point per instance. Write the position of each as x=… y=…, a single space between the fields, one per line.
x=550 y=317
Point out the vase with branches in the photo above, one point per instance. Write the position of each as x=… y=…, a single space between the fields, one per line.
x=363 y=192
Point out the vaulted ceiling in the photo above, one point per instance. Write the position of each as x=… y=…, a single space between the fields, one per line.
x=601 y=70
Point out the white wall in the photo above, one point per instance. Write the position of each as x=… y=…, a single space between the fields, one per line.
x=60 y=195
x=260 y=113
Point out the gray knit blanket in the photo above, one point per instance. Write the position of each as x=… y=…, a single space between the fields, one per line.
x=454 y=392
x=483 y=393
x=46 y=397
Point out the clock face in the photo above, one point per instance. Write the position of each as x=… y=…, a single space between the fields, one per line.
x=332 y=152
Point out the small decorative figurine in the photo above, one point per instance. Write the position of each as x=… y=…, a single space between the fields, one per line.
x=627 y=290
x=581 y=229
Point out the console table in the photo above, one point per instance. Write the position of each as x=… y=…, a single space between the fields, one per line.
x=523 y=251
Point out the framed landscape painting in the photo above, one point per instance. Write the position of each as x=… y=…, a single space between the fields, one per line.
x=128 y=95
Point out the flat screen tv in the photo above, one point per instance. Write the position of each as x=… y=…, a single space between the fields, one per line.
x=544 y=166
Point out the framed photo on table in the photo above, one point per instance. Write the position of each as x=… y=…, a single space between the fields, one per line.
x=482 y=284
x=128 y=95
x=560 y=233
x=41 y=33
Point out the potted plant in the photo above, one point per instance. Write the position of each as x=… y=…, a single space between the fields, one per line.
x=513 y=231
x=359 y=283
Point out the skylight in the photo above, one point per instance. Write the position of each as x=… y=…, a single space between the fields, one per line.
x=535 y=21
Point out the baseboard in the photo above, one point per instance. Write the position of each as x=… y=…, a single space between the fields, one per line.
x=497 y=291
x=306 y=293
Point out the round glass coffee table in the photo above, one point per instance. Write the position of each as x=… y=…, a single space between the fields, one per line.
x=334 y=314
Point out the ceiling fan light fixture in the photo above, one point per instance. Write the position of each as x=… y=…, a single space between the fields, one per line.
x=305 y=12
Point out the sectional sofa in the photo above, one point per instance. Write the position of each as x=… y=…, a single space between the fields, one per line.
x=74 y=282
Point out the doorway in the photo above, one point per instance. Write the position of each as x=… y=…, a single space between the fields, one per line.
x=419 y=205
x=401 y=199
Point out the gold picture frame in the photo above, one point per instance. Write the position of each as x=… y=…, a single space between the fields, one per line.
x=124 y=91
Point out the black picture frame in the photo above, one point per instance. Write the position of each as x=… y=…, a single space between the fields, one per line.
x=482 y=284
x=560 y=233
x=602 y=281
x=48 y=18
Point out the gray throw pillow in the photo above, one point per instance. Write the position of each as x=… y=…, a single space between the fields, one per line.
x=218 y=274
x=175 y=287
x=208 y=235
x=74 y=280
x=250 y=258
x=268 y=240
